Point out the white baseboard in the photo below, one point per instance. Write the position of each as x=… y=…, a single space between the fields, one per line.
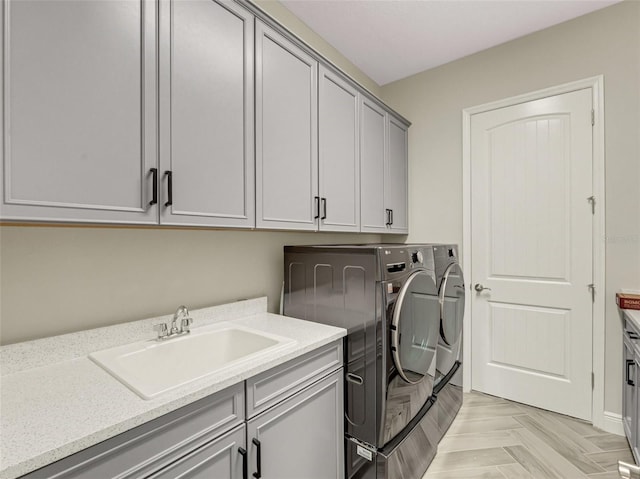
x=612 y=423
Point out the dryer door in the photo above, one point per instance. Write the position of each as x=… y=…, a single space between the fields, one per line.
x=452 y=296
x=414 y=327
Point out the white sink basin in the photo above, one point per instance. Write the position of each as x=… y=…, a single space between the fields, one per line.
x=150 y=368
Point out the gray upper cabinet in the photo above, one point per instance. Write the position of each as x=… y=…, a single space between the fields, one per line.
x=286 y=133
x=396 y=191
x=373 y=145
x=339 y=162
x=79 y=113
x=383 y=169
x=206 y=113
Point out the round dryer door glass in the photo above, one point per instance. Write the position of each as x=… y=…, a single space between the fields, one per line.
x=452 y=296
x=415 y=325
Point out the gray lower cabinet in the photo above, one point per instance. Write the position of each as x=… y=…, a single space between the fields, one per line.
x=338 y=162
x=206 y=113
x=79 y=113
x=293 y=411
x=302 y=437
x=158 y=444
x=286 y=133
x=631 y=387
x=221 y=458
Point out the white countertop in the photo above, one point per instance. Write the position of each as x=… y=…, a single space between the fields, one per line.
x=55 y=401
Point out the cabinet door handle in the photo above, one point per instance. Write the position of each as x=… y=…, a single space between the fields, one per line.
x=154 y=174
x=388 y=212
x=258 y=473
x=169 y=176
x=317 y=200
x=245 y=462
x=324 y=209
x=354 y=378
x=630 y=363
x=390 y=217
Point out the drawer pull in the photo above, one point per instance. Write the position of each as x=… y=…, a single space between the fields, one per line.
x=169 y=176
x=154 y=174
x=258 y=473
x=630 y=363
x=317 y=200
x=355 y=379
x=245 y=462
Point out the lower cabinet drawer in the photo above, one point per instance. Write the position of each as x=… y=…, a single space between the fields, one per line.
x=269 y=388
x=150 y=447
x=220 y=458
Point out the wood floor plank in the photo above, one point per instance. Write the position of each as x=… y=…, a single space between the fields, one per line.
x=514 y=471
x=608 y=442
x=475 y=398
x=555 y=461
x=609 y=460
x=561 y=444
x=551 y=423
x=533 y=465
x=483 y=425
x=471 y=473
x=489 y=410
x=605 y=475
x=451 y=461
x=478 y=440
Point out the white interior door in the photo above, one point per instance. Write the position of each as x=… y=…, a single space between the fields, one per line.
x=531 y=231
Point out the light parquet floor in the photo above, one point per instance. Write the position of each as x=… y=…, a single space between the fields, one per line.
x=492 y=438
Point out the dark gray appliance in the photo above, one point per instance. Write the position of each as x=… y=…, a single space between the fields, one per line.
x=451 y=291
x=386 y=296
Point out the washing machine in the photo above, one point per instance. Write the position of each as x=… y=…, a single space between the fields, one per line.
x=451 y=293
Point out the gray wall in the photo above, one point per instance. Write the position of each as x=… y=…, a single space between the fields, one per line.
x=605 y=42
x=55 y=280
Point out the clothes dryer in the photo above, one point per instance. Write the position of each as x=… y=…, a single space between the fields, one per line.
x=386 y=296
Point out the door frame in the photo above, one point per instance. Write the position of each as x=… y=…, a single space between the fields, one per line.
x=602 y=419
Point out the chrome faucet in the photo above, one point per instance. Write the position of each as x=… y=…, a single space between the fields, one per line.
x=166 y=332
x=181 y=311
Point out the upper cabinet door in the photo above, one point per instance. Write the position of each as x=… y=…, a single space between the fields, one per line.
x=339 y=162
x=373 y=147
x=79 y=113
x=396 y=190
x=206 y=113
x=286 y=133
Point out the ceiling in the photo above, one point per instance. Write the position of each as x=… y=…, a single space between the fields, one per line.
x=392 y=39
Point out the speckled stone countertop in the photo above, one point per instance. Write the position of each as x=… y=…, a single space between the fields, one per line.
x=633 y=316
x=55 y=401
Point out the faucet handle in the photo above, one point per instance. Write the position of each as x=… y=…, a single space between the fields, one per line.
x=184 y=324
x=162 y=329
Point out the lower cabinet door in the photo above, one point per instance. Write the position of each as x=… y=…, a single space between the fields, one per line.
x=222 y=458
x=302 y=437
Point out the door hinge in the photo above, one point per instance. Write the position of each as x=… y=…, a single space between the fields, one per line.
x=593 y=380
x=593 y=117
x=592 y=200
x=592 y=288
